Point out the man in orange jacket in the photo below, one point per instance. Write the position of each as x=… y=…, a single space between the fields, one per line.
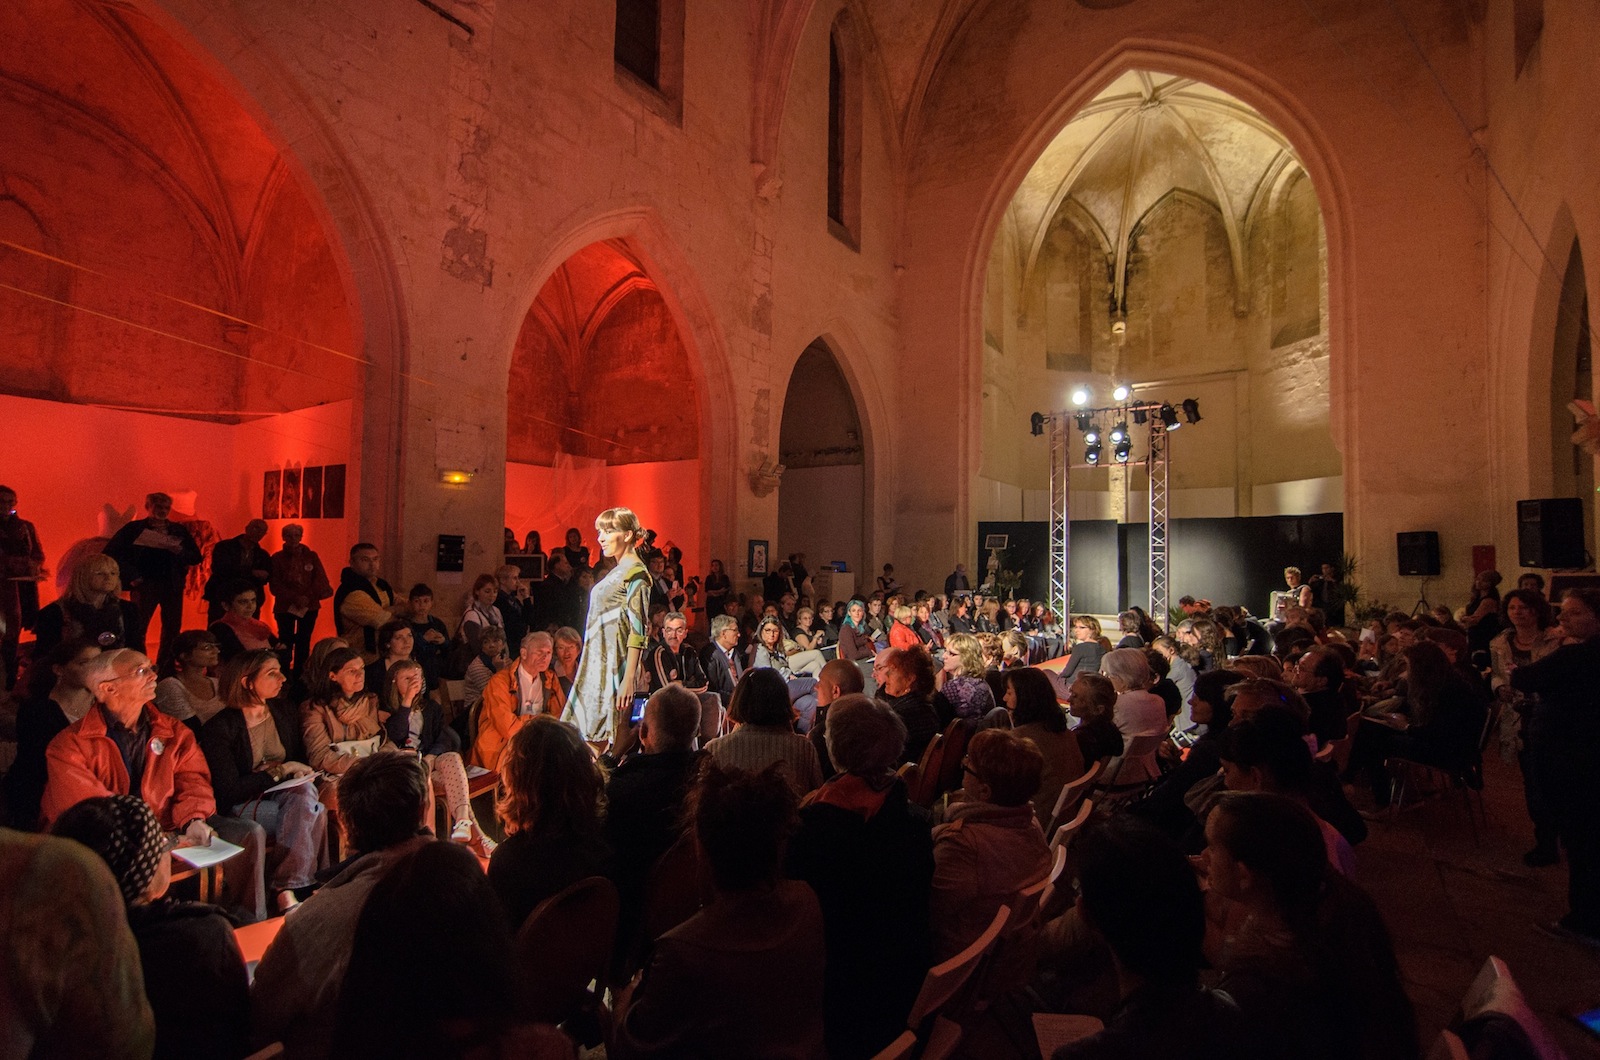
x=125 y=746
x=515 y=694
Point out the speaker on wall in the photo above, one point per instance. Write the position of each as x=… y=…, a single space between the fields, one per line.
x=1419 y=553
x=1550 y=533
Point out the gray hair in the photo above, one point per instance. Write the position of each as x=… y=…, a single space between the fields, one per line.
x=721 y=624
x=294 y=529
x=674 y=616
x=1127 y=667
x=529 y=639
x=865 y=736
x=103 y=667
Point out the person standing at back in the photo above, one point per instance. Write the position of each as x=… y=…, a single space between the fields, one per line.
x=21 y=563
x=234 y=561
x=155 y=555
x=299 y=585
x=364 y=602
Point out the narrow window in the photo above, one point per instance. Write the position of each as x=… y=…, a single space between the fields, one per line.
x=844 y=134
x=638 y=39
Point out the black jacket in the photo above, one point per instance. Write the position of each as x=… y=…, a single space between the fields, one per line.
x=716 y=666
x=644 y=817
x=351 y=582
x=437 y=737
x=194 y=976
x=156 y=565
x=234 y=561
x=225 y=741
x=38 y=722
x=113 y=625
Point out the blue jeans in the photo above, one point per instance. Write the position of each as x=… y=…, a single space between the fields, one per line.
x=298 y=823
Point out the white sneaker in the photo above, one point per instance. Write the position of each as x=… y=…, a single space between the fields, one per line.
x=462 y=832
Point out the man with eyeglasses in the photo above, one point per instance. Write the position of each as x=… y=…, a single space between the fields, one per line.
x=125 y=746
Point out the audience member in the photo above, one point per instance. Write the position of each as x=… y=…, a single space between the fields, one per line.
x=428 y=635
x=744 y=976
x=867 y=852
x=551 y=804
x=194 y=975
x=718 y=587
x=907 y=687
x=644 y=798
x=299 y=585
x=1318 y=676
x=295 y=997
x=855 y=640
x=235 y=562
x=990 y=846
x=490 y=660
x=568 y=647
x=960 y=678
x=513 y=601
x=340 y=721
x=363 y=601
x=837 y=680
x=396 y=643
x=670 y=661
x=770 y=654
x=413 y=722
x=1092 y=700
x=1527 y=638
x=1180 y=664
x=1137 y=711
x=1138 y=892
x=56 y=696
x=1266 y=751
x=1086 y=650
x=1562 y=734
x=1128 y=626
x=481 y=615
x=1303 y=953
x=1036 y=716
x=253 y=746
x=238 y=630
x=763 y=734
x=154 y=555
x=723 y=664
x=514 y=695
x=957 y=581
x=187 y=690
x=91 y=609
x=70 y=981
x=1212 y=711
x=21 y=564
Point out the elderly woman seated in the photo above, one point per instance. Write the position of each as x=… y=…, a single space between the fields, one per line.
x=1138 y=711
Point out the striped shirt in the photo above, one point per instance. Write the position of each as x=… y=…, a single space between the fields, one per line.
x=754 y=747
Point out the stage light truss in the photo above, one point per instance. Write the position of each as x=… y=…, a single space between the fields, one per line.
x=1060 y=544
x=1156 y=464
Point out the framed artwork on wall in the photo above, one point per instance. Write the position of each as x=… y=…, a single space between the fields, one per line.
x=311 y=493
x=333 y=491
x=757 y=563
x=271 y=490
x=290 y=506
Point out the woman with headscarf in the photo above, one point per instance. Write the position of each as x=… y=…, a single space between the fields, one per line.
x=194 y=974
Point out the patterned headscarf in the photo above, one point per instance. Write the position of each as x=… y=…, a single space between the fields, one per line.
x=126 y=835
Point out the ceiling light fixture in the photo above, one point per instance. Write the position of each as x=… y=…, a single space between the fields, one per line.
x=1169 y=416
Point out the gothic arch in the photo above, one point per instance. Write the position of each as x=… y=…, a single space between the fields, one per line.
x=640 y=231
x=1273 y=102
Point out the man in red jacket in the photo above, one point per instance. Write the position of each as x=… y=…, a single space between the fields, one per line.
x=125 y=746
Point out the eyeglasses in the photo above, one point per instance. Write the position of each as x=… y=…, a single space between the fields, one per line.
x=138 y=671
x=966 y=767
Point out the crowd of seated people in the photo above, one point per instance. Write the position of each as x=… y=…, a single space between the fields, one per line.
x=859 y=786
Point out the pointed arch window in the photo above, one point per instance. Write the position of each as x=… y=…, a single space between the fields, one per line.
x=844 y=133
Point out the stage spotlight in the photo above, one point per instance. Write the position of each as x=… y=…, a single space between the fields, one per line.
x=1092 y=435
x=1092 y=453
x=1080 y=396
x=1141 y=417
x=1082 y=419
x=1119 y=432
x=1169 y=416
x=1191 y=410
x=1122 y=449
x=1121 y=392
x=1036 y=423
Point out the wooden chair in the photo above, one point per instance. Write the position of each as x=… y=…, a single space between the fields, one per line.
x=209 y=879
x=563 y=947
x=1063 y=836
x=942 y=987
x=923 y=781
x=1468 y=778
x=1448 y=1046
x=673 y=892
x=1494 y=991
x=1071 y=794
x=271 y=1052
x=901 y=1048
x=1134 y=747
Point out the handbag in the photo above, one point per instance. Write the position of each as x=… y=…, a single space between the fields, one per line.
x=358 y=748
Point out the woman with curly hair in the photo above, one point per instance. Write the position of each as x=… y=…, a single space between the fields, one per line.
x=551 y=803
x=961 y=677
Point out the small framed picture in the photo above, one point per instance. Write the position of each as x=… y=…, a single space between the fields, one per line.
x=311 y=493
x=758 y=557
x=290 y=508
x=271 y=489
x=996 y=540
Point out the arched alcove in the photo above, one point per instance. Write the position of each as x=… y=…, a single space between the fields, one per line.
x=604 y=406
x=1571 y=378
x=187 y=318
x=822 y=507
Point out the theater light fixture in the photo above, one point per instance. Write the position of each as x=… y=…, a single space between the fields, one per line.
x=1141 y=417
x=1083 y=420
x=1119 y=432
x=1169 y=416
x=1122 y=392
x=1092 y=453
x=1080 y=396
x=1191 y=410
x=1036 y=423
x=1122 y=449
x=455 y=478
x=1092 y=435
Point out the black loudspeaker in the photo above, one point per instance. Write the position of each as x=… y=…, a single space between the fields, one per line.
x=1550 y=533
x=1419 y=553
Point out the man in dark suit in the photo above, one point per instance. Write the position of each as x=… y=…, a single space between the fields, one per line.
x=155 y=555
x=723 y=665
x=238 y=559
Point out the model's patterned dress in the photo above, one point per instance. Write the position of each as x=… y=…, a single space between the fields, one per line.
x=619 y=619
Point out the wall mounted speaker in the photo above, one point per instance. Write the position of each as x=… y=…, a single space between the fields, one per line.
x=1419 y=553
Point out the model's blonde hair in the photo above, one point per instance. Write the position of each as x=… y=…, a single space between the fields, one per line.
x=79 y=587
x=620 y=519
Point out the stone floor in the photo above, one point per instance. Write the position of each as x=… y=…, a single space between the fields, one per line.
x=1451 y=903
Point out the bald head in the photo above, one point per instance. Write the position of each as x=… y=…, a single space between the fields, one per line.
x=840 y=677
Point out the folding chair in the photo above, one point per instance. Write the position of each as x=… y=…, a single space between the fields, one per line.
x=1071 y=795
x=563 y=947
x=1468 y=778
x=901 y=1048
x=1063 y=835
x=944 y=983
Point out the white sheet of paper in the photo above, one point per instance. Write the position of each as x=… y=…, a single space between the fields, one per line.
x=154 y=539
x=204 y=857
x=474 y=772
x=292 y=783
